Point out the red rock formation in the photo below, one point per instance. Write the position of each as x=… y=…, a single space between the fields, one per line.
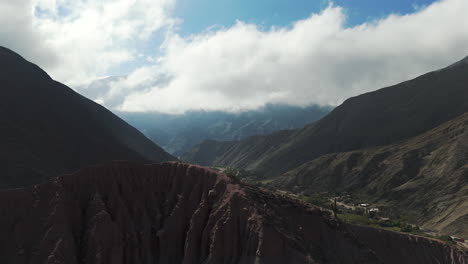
x=179 y=213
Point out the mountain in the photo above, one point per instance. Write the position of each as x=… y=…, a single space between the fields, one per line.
x=238 y=153
x=179 y=133
x=377 y=118
x=178 y=213
x=47 y=129
x=425 y=176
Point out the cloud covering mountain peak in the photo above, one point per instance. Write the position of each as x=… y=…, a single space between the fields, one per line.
x=317 y=60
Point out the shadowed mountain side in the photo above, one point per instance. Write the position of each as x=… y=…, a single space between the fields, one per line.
x=47 y=129
x=426 y=175
x=239 y=153
x=372 y=119
x=179 y=213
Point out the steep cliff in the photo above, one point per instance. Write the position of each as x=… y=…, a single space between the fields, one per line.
x=179 y=213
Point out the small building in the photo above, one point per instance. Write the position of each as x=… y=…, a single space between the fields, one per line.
x=458 y=239
x=373 y=212
x=364 y=205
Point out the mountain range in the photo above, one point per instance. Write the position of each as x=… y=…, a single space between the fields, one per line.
x=373 y=144
x=179 y=133
x=377 y=118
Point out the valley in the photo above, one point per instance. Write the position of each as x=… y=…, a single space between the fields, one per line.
x=392 y=150
x=179 y=133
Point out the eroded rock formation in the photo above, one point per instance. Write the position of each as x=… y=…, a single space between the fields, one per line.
x=179 y=213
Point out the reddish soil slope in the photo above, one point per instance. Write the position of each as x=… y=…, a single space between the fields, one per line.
x=179 y=213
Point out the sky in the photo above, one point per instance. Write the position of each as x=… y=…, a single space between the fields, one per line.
x=174 y=56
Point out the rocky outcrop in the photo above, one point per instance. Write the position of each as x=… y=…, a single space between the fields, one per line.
x=179 y=213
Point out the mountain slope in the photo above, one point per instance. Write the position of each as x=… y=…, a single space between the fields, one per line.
x=178 y=213
x=47 y=129
x=426 y=175
x=372 y=119
x=239 y=153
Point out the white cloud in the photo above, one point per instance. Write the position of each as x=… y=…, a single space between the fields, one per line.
x=80 y=40
x=316 y=61
x=17 y=32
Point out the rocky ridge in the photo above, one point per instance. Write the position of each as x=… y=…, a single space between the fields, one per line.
x=179 y=213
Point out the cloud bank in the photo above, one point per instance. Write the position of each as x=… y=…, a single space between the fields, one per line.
x=80 y=40
x=317 y=60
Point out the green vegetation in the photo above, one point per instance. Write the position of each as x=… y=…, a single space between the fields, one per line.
x=445 y=238
x=356 y=219
x=317 y=199
x=397 y=226
x=243 y=176
x=389 y=224
x=236 y=173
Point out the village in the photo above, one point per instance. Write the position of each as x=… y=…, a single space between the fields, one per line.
x=363 y=213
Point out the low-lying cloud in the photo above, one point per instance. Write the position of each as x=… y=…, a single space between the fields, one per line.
x=316 y=61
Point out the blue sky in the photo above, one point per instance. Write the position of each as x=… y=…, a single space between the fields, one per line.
x=198 y=15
